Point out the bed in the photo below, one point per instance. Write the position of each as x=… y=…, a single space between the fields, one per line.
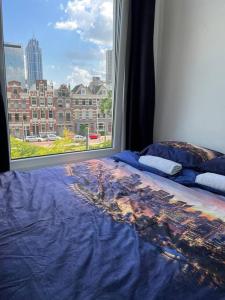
x=102 y=229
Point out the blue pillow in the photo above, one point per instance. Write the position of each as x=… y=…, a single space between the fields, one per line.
x=190 y=156
x=216 y=165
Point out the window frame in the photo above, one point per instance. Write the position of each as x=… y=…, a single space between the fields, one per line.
x=119 y=42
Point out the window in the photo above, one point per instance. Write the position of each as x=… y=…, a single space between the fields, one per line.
x=68 y=117
x=60 y=117
x=43 y=127
x=16 y=104
x=83 y=91
x=67 y=103
x=33 y=101
x=60 y=103
x=35 y=114
x=17 y=117
x=42 y=114
x=24 y=104
x=50 y=102
x=42 y=101
x=54 y=80
x=50 y=114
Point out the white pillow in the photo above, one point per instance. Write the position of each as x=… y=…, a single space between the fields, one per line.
x=211 y=180
x=167 y=166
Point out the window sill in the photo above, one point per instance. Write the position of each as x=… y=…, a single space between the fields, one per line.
x=53 y=160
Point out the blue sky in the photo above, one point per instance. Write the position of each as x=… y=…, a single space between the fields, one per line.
x=73 y=35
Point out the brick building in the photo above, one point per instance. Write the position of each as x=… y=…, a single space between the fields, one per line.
x=42 y=109
x=18 y=109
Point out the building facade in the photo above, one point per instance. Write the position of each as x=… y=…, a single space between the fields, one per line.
x=18 y=110
x=64 y=117
x=14 y=63
x=33 y=62
x=42 y=110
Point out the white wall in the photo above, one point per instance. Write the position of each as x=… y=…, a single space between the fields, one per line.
x=190 y=72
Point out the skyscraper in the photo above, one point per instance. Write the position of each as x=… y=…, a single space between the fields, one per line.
x=33 y=62
x=109 y=67
x=14 y=63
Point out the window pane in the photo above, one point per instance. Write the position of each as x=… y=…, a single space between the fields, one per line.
x=59 y=70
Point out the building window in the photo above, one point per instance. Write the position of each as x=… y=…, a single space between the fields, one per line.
x=83 y=102
x=90 y=102
x=60 y=117
x=43 y=127
x=43 y=115
x=24 y=104
x=34 y=114
x=50 y=114
x=67 y=103
x=60 y=103
x=34 y=101
x=16 y=105
x=50 y=102
x=17 y=117
x=10 y=117
x=51 y=127
x=24 y=117
x=77 y=102
x=42 y=101
x=68 y=117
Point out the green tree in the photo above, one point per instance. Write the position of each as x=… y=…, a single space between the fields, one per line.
x=106 y=104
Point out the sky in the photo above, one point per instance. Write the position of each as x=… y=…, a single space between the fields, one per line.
x=73 y=35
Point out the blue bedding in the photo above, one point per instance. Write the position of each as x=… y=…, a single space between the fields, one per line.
x=185 y=176
x=102 y=230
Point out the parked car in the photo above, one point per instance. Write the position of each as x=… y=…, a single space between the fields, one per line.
x=53 y=137
x=93 y=136
x=79 y=138
x=34 y=138
x=31 y=138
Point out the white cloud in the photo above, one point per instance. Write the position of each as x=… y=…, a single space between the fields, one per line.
x=92 y=20
x=79 y=76
x=68 y=25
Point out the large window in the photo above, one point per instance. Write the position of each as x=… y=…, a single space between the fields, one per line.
x=56 y=58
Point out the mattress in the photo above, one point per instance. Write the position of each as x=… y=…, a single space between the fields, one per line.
x=101 y=229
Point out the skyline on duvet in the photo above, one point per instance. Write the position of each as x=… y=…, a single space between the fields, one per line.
x=171 y=217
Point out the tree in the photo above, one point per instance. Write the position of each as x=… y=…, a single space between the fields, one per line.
x=106 y=106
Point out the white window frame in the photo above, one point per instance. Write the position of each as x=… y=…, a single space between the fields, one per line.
x=119 y=55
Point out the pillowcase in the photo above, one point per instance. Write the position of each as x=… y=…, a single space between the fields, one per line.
x=216 y=165
x=212 y=181
x=190 y=156
x=164 y=165
x=131 y=158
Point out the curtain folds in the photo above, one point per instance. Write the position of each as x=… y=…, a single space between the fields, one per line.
x=140 y=87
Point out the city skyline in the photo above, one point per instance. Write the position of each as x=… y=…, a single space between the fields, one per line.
x=73 y=38
x=35 y=51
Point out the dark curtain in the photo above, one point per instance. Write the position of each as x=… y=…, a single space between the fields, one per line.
x=140 y=104
x=4 y=148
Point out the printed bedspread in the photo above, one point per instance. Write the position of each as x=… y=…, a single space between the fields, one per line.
x=104 y=230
